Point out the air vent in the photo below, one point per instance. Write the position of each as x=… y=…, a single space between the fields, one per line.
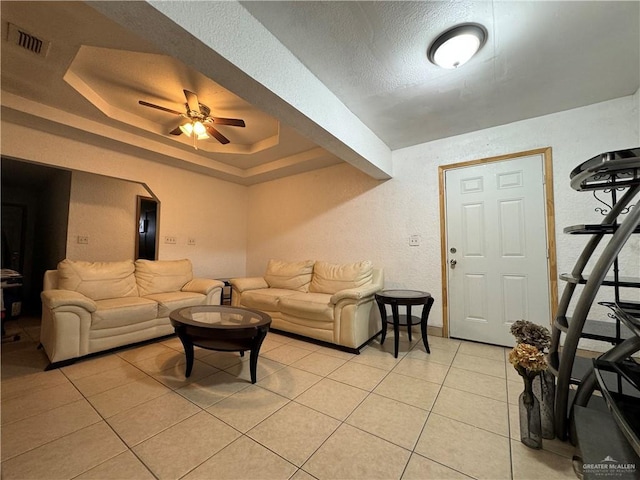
x=27 y=41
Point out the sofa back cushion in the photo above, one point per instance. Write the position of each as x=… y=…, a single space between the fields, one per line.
x=162 y=276
x=289 y=275
x=331 y=278
x=98 y=280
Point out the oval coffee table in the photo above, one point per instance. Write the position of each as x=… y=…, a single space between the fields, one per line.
x=228 y=329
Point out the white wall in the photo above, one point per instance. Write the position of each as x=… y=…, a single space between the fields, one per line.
x=108 y=219
x=338 y=214
x=191 y=205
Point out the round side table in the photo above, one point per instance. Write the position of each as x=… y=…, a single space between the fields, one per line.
x=407 y=298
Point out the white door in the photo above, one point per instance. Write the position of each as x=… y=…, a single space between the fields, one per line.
x=497 y=248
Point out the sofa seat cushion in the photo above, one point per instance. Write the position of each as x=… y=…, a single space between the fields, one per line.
x=314 y=306
x=116 y=312
x=265 y=298
x=167 y=302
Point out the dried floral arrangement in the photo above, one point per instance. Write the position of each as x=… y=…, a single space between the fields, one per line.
x=531 y=334
x=527 y=360
x=527 y=357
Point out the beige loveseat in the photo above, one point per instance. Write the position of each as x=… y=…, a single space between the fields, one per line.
x=91 y=307
x=315 y=299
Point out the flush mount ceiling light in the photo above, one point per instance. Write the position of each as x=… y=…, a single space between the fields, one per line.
x=456 y=46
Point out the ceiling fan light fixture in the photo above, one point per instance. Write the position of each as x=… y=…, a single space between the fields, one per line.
x=456 y=46
x=196 y=128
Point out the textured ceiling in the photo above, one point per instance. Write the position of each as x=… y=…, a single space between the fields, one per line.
x=540 y=58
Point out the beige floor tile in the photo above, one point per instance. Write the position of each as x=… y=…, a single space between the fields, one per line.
x=437 y=355
x=174 y=377
x=443 y=342
x=245 y=409
x=294 y=432
x=484 y=350
x=480 y=364
x=478 y=383
x=290 y=382
x=221 y=360
x=66 y=457
x=112 y=378
x=164 y=361
x=209 y=390
x=302 y=475
x=481 y=412
x=420 y=468
x=530 y=464
x=285 y=354
x=122 y=467
x=304 y=344
x=37 y=401
x=142 y=422
x=375 y=357
x=265 y=368
x=386 y=418
x=40 y=380
x=413 y=391
x=358 y=375
x=19 y=364
x=319 y=363
x=127 y=396
x=270 y=342
x=353 y=454
x=174 y=343
x=182 y=447
x=333 y=398
x=335 y=352
x=92 y=366
x=244 y=459
x=137 y=354
x=429 y=371
x=31 y=432
x=467 y=449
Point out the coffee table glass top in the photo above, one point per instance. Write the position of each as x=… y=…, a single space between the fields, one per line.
x=214 y=316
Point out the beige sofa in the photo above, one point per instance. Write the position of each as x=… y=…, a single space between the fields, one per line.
x=319 y=300
x=91 y=307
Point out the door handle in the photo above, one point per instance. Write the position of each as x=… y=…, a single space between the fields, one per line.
x=453 y=263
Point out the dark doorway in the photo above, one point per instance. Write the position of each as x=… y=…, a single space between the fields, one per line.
x=147 y=241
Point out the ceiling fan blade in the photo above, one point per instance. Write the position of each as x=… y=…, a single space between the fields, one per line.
x=164 y=109
x=234 y=122
x=176 y=131
x=192 y=101
x=216 y=134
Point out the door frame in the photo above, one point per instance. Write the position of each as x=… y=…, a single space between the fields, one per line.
x=552 y=267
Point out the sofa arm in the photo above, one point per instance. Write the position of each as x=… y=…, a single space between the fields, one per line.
x=356 y=294
x=248 y=283
x=52 y=299
x=202 y=285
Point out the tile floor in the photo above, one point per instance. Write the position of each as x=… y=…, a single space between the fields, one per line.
x=315 y=412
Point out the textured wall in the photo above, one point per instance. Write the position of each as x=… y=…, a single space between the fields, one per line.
x=339 y=214
x=191 y=205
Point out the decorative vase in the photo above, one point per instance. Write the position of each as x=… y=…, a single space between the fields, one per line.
x=544 y=389
x=530 y=423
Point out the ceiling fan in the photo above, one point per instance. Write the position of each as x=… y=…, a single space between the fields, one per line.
x=198 y=122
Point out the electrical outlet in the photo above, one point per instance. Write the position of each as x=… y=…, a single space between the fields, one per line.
x=83 y=239
x=414 y=240
x=191 y=241
x=170 y=239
